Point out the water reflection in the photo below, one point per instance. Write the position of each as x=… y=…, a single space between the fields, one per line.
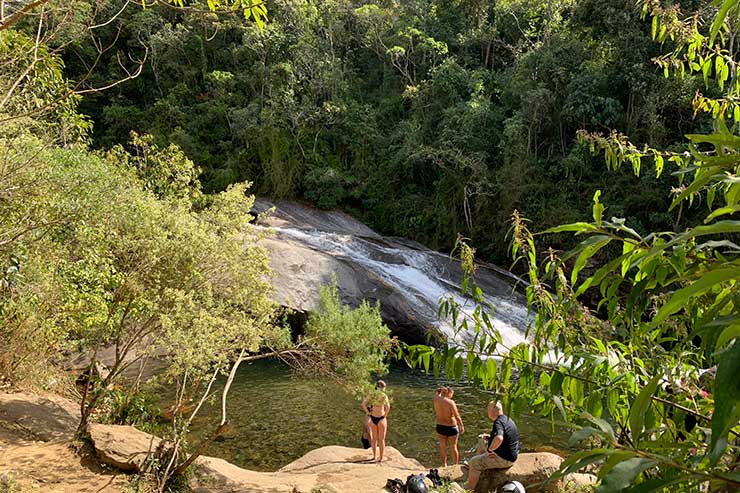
x=277 y=416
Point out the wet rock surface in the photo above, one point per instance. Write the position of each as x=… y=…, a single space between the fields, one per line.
x=311 y=246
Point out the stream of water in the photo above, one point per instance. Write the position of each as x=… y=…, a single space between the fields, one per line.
x=277 y=416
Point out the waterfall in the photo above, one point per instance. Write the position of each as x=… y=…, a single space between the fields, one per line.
x=421 y=276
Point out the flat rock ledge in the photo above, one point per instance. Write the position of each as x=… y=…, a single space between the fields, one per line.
x=332 y=469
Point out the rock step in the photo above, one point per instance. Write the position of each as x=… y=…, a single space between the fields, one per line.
x=529 y=469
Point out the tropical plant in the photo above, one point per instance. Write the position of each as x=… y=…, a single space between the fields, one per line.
x=648 y=380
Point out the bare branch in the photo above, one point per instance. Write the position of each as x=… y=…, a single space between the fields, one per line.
x=97 y=26
x=16 y=16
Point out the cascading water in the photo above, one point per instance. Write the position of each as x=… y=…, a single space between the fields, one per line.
x=421 y=276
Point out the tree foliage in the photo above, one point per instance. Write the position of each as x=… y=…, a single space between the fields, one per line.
x=460 y=111
x=648 y=381
x=353 y=342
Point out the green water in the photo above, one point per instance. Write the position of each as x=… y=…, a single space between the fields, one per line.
x=277 y=416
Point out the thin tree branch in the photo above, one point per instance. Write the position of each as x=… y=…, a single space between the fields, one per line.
x=16 y=16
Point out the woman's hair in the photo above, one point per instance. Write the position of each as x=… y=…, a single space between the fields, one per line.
x=380 y=384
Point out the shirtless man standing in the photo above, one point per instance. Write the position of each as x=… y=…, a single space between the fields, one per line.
x=447 y=419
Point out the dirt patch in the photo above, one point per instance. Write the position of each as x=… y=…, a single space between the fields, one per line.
x=56 y=467
x=36 y=452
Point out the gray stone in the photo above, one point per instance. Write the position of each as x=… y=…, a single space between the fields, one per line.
x=123 y=447
x=529 y=469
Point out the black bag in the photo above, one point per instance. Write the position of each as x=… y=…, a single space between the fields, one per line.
x=433 y=476
x=416 y=484
x=395 y=486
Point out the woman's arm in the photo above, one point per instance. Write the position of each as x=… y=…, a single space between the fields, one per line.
x=363 y=406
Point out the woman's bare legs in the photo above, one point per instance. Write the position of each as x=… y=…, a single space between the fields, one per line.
x=382 y=428
x=374 y=440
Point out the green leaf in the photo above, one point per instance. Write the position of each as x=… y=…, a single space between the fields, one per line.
x=640 y=407
x=582 y=434
x=658 y=165
x=616 y=458
x=556 y=382
x=459 y=364
x=721 y=212
x=623 y=475
x=719 y=19
x=726 y=400
x=588 y=248
x=579 y=460
x=602 y=424
x=576 y=391
x=559 y=404
x=598 y=208
x=594 y=405
x=703 y=284
x=578 y=228
x=729 y=333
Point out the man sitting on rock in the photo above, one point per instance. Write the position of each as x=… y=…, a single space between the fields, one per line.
x=502 y=445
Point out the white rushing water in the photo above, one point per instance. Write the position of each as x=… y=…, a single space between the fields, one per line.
x=422 y=277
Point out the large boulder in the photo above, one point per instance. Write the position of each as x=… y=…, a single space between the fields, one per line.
x=529 y=469
x=123 y=447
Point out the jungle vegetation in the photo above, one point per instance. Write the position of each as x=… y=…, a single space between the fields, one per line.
x=132 y=136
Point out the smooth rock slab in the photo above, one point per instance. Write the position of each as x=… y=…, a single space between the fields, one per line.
x=123 y=447
x=529 y=469
x=46 y=417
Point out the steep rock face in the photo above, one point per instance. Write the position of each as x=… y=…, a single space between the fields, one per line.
x=311 y=246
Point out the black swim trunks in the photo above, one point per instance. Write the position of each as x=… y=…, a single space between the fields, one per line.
x=365 y=443
x=447 y=431
x=377 y=419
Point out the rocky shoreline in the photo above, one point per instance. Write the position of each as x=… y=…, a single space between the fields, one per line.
x=36 y=431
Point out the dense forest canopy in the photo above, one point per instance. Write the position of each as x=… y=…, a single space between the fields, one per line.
x=426 y=118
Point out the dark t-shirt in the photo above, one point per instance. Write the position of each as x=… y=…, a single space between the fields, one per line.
x=509 y=448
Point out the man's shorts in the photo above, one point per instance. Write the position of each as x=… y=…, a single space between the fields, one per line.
x=447 y=431
x=483 y=461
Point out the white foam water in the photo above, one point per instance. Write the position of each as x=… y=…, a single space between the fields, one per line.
x=421 y=278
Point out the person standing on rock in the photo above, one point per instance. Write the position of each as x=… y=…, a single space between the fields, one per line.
x=377 y=406
x=502 y=445
x=447 y=420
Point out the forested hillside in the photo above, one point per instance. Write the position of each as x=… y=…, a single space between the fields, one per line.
x=507 y=130
x=425 y=118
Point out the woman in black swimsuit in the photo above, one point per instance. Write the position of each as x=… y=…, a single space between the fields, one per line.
x=377 y=406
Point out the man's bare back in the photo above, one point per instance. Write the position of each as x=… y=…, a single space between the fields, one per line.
x=445 y=410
